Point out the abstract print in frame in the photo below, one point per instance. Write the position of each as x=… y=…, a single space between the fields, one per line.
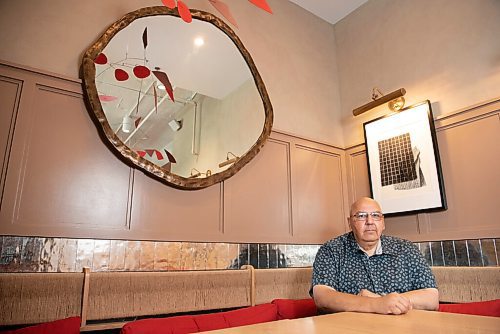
x=403 y=161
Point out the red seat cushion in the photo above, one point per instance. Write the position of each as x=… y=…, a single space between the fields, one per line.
x=63 y=326
x=210 y=322
x=176 y=325
x=489 y=308
x=251 y=315
x=292 y=309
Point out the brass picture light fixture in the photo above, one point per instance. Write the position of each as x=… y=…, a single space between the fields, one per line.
x=228 y=160
x=194 y=173
x=395 y=99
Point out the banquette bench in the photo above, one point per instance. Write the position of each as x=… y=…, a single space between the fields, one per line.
x=100 y=298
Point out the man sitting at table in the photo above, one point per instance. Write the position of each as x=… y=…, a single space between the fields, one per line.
x=365 y=271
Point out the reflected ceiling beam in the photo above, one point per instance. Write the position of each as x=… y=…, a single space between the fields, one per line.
x=145 y=118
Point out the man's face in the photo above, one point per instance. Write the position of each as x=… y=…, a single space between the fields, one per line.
x=369 y=230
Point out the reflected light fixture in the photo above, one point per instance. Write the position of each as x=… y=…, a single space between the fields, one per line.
x=395 y=99
x=160 y=86
x=229 y=160
x=127 y=124
x=175 y=125
x=199 y=41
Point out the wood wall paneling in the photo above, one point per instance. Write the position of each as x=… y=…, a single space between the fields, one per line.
x=470 y=155
x=257 y=200
x=318 y=194
x=10 y=94
x=357 y=173
x=61 y=181
x=161 y=212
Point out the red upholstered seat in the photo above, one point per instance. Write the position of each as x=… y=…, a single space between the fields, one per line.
x=293 y=309
x=488 y=308
x=210 y=322
x=63 y=326
x=251 y=315
x=174 y=325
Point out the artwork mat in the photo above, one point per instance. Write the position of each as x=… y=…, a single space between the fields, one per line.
x=416 y=120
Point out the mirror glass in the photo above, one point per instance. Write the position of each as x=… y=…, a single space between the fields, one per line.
x=182 y=101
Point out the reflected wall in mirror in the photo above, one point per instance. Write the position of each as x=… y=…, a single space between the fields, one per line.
x=184 y=102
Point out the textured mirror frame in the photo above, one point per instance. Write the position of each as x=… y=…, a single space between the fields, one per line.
x=130 y=156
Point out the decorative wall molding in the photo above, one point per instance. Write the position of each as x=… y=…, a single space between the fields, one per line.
x=8 y=123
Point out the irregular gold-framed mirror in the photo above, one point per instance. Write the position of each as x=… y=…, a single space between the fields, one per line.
x=183 y=102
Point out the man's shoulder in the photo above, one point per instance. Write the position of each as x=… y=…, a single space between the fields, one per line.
x=339 y=241
x=396 y=244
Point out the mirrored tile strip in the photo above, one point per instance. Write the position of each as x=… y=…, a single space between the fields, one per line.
x=32 y=254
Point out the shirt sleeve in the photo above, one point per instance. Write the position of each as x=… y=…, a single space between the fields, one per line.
x=421 y=273
x=325 y=268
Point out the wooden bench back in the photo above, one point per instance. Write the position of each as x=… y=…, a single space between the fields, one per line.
x=28 y=298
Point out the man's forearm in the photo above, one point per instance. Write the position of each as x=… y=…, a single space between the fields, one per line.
x=329 y=300
x=424 y=299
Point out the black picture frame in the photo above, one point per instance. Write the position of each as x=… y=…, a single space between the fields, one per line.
x=404 y=165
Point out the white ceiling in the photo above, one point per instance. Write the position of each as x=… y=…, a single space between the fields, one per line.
x=330 y=10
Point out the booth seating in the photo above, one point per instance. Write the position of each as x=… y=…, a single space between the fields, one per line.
x=101 y=298
x=278 y=309
x=489 y=308
x=64 y=326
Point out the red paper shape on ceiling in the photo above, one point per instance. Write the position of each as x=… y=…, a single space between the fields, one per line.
x=262 y=4
x=224 y=10
x=169 y=3
x=137 y=121
x=107 y=98
x=121 y=75
x=170 y=157
x=184 y=11
x=101 y=59
x=145 y=38
x=141 y=71
x=221 y=7
x=159 y=156
x=163 y=77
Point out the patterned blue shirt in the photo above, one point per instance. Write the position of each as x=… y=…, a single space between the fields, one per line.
x=342 y=265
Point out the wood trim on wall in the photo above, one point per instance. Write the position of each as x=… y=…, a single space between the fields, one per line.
x=144 y=208
x=8 y=123
x=68 y=194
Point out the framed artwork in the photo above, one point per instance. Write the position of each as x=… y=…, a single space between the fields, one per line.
x=403 y=162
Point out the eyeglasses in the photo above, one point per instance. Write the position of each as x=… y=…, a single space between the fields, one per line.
x=363 y=216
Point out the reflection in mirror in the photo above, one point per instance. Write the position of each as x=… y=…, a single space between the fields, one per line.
x=182 y=101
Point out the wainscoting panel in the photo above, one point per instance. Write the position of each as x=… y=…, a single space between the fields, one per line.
x=257 y=200
x=319 y=192
x=61 y=179
x=470 y=158
x=10 y=95
x=357 y=173
x=160 y=212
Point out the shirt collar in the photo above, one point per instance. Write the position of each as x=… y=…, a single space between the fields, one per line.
x=384 y=246
x=378 y=250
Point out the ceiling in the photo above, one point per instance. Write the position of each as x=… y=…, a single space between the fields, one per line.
x=330 y=10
